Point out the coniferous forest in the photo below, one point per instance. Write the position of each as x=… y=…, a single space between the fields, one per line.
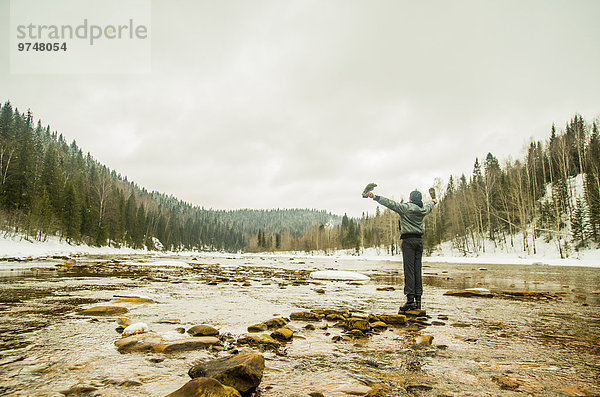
x=48 y=187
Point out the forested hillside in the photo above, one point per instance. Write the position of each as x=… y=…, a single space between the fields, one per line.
x=552 y=193
x=49 y=187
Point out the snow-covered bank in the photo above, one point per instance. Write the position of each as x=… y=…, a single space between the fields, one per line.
x=19 y=247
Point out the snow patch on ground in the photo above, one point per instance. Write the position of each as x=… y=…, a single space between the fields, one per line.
x=21 y=247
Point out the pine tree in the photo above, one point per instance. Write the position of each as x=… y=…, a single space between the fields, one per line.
x=71 y=216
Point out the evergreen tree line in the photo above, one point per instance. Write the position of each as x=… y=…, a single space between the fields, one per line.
x=553 y=192
x=49 y=187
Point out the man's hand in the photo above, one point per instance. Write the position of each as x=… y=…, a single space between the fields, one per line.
x=435 y=201
x=371 y=195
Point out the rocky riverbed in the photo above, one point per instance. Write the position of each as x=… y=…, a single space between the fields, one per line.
x=504 y=330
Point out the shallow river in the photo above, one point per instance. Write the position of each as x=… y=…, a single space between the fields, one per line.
x=505 y=345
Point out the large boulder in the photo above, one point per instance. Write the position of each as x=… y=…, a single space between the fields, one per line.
x=241 y=371
x=204 y=387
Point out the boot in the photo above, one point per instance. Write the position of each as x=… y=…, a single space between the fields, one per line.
x=418 y=301
x=409 y=305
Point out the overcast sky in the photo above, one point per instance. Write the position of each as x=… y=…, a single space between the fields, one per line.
x=281 y=104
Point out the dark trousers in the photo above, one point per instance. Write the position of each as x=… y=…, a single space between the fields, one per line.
x=412 y=252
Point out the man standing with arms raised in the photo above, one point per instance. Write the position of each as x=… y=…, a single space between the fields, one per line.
x=412 y=227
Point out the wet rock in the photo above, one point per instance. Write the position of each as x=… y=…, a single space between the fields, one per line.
x=305 y=316
x=78 y=390
x=360 y=324
x=335 y=317
x=436 y=322
x=478 y=292
x=372 y=318
x=320 y=291
x=246 y=284
x=150 y=342
x=531 y=295
x=378 y=325
x=327 y=312
x=124 y=321
x=104 y=311
x=199 y=342
x=242 y=371
x=277 y=322
x=506 y=382
x=316 y=394
x=181 y=330
x=205 y=387
x=309 y=327
x=169 y=321
x=203 y=330
x=134 y=329
x=257 y=327
x=393 y=319
x=424 y=340
x=138 y=343
x=284 y=334
x=259 y=340
x=356 y=333
x=133 y=299
x=386 y=289
x=415 y=313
